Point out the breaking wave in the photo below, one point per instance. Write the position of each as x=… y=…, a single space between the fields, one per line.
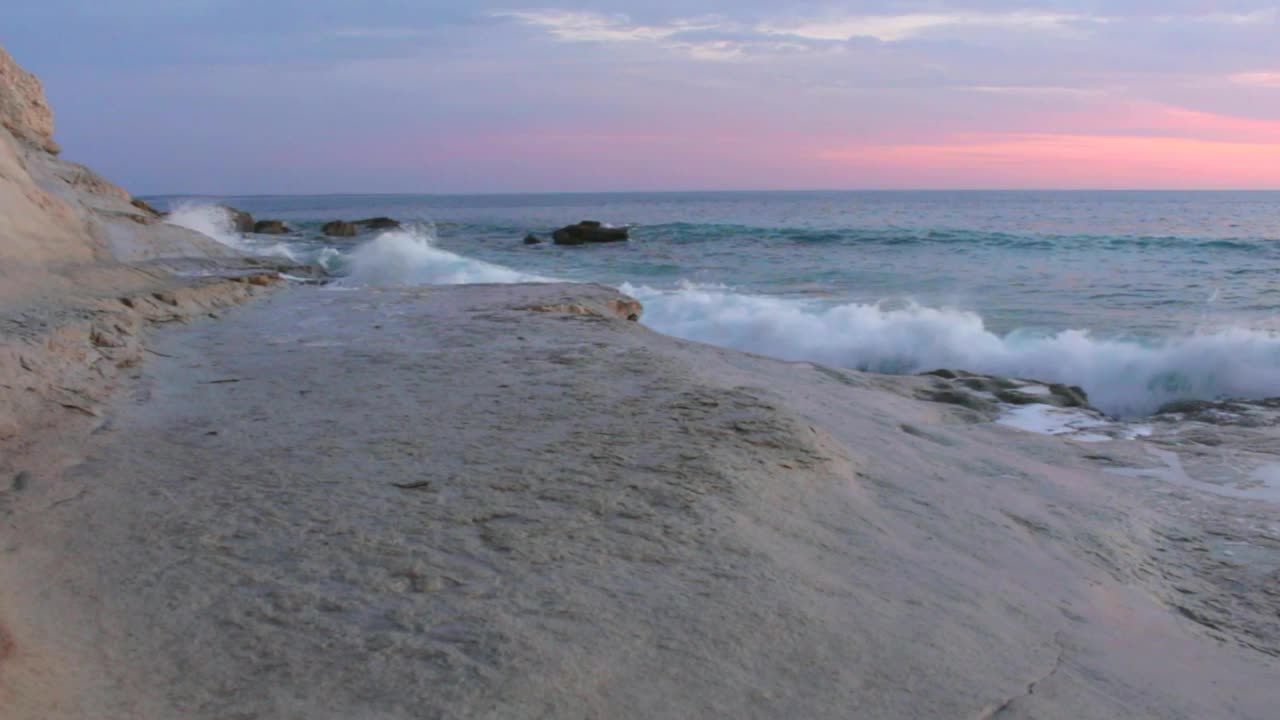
x=410 y=257
x=1123 y=377
x=216 y=222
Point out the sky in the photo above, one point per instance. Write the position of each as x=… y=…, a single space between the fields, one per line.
x=332 y=96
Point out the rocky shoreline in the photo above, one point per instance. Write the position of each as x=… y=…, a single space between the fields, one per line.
x=516 y=501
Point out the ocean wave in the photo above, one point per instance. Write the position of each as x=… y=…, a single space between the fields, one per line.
x=409 y=256
x=216 y=222
x=1123 y=377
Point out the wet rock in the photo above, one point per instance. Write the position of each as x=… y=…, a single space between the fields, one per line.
x=1070 y=395
x=942 y=373
x=589 y=231
x=340 y=228
x=145 y=207
x=240 y=220
x=955 y=396
x=271 y=227
x=986 y=393
x=532 y=239
x=379 y=223
x=1240 y=413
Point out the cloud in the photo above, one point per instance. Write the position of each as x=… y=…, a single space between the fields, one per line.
x=896 y=28
x=1257 y=79
x=597 y=27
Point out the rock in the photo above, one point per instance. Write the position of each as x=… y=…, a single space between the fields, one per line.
x=240 y=220
x=952 y=396
x=8 y=427
x=258 y=279
x=589 y=231
x=379 y=223
x=340 y=228
x=532 y=239
x=943 y=373
x=1070 y=396
x=958 y=387
x=23 y=108
x=145 y=207
x=271 y=227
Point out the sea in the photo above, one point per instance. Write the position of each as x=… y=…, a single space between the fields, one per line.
x=1141 y=298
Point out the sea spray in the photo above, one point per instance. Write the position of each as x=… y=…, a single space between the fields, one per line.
x=1124 y=377
x=409 y=257
x=215 y=221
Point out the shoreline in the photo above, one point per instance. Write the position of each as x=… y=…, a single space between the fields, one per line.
x=508 y=501
x=614 y=522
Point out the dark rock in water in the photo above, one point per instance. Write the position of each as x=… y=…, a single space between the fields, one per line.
x=340 y=228
x=145 y=207
x=240 y=220
x=271 y=227
x=589 y=231
x=379 y=223
x=532 y=239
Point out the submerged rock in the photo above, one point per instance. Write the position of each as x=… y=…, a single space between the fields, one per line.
x=271 y=227
x=532 y=239
x=589 y=231
x=340 y=228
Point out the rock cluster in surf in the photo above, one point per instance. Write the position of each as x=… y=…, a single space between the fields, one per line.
x=985 y=393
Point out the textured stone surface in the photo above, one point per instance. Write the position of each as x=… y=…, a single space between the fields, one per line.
x=23 y=108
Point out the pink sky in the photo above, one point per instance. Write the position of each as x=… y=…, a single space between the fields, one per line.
x=613 y=95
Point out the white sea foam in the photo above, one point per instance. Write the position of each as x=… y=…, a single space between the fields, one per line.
x=409 y=257
x=1048 y=420
x=216 y=222
x=1122 y=377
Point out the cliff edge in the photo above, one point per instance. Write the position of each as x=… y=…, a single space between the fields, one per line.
x=84 y=268
x=57 y=216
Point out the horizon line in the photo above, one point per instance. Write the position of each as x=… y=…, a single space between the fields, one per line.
x=508 y=193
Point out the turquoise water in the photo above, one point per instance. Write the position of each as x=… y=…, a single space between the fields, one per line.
x=1139 y=297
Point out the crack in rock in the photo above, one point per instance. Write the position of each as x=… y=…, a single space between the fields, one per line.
x=1007 y=706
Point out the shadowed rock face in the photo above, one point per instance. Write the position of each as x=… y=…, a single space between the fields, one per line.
x=23 y=109
x=589 y=231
